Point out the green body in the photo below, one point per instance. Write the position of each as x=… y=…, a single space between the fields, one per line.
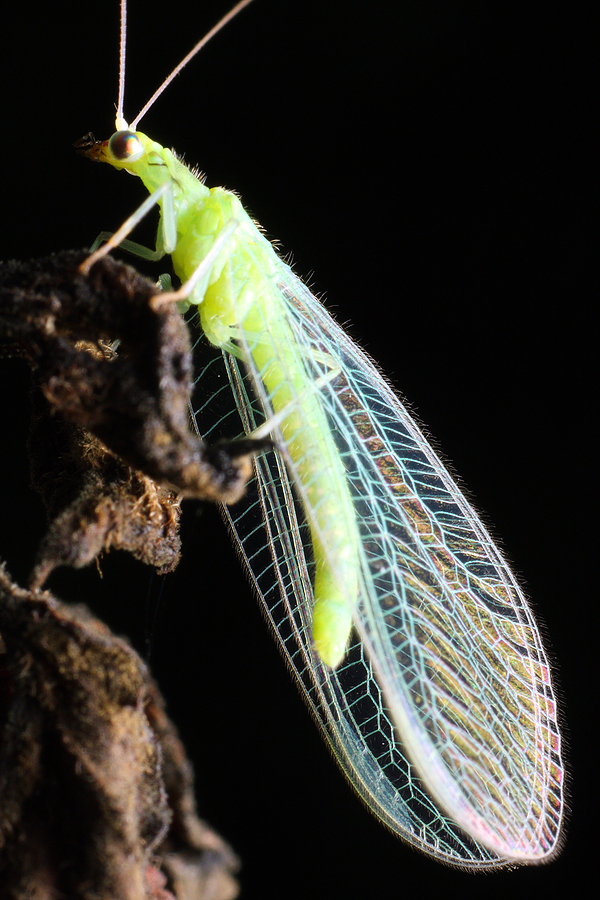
x=243 y=303
x=443 y=714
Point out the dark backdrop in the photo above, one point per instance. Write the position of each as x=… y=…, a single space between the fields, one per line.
x=429 y=165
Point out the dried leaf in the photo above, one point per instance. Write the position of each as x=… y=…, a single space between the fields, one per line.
x=107 y=421
x=96 y=796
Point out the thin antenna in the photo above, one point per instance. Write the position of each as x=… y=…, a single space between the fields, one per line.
x=196 y=49
x=120 y=123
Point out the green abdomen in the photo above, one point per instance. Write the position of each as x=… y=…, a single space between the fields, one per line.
x=243 y=304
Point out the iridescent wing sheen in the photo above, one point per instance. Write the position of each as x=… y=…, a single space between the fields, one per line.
x=442 y=714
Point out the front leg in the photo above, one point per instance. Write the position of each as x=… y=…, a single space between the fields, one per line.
x=106 y=241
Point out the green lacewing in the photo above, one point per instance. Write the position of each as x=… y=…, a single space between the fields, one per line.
x=402 y=623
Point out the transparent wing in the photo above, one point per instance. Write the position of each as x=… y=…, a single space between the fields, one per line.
x=442 y=715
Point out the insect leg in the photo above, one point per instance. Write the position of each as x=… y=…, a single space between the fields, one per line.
x=118 y=238
x=203 y=269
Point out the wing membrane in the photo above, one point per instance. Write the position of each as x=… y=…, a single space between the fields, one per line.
x=442 y=714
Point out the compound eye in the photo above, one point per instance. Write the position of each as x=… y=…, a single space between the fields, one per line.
x=125 y=146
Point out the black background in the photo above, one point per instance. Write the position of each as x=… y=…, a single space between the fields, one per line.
x=429 y=165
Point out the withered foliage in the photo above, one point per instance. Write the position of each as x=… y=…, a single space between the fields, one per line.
x=96 y=795
x=95 y=501
x=112 y=448
x=96 y=799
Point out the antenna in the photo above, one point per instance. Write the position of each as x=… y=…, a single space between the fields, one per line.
x=121 y=124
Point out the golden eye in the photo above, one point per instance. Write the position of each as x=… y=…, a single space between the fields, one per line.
x=126 y=146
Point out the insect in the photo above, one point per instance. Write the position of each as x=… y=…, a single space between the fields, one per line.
x=407 y=632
